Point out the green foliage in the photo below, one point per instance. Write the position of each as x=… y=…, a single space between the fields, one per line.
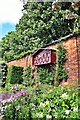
x=8 y=46
x=3 y=73
x=61 y=71
x=15 y=75
x=14 y=87
x=45 y=101
x=19 y=109
x=28 y=78
x=8 y=85
x=46 y=76
x=39 y=25
x=22 y=54
x=58 y=102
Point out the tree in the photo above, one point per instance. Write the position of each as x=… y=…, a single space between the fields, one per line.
x=39 y=25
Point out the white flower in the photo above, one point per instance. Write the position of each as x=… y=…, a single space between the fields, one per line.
x=42 y=104
x=75 y=109
x=49 y=109
x=49 y=116
x=40 y=115
x=39 y=83
x=2 y=109
x=17 y=107
x=64 y=96
x=67 y=112
x=47 y=102
x=50 y=90
x=6 y=106
x=32 y=105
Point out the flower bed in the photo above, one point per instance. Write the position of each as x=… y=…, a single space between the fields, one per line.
x=44 y=101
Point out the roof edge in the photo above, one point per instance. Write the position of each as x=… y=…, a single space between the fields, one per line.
x=62 y=38
x=42 y=49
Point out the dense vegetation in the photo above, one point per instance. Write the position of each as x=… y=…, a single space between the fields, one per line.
x=39 y=98
x=42 y=102
x=3 y=74
x=40 y=24
x=14 y=75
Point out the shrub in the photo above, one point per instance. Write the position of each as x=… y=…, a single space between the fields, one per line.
x=15 y=75
x=43 y=102
x=16 y=106
x=61 y=71
x=3 y=73
x=45 y=76
x=14 y=87
x=28 y=77
x=57 y=102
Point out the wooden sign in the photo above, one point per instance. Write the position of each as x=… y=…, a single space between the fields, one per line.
x=44 y=56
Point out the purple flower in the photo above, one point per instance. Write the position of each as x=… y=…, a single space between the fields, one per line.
x=9 y=97
x=5 y=97
x=20 y=93
x=24 y=92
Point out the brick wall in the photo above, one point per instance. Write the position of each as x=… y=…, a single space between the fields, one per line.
x=72 y=45
x=72 y=55
x=23 y=62
x=78 y=51
x=71 y=63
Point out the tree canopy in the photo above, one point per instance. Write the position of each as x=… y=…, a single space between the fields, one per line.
x=41 y=23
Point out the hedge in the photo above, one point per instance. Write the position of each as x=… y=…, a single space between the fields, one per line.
x=14 y=75
x=3 y=73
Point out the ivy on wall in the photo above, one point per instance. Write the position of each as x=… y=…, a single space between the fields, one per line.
x=28 y=76
x=61 y=71
x=50 y=74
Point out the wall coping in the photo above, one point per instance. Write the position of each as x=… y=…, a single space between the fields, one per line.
x=62 y=39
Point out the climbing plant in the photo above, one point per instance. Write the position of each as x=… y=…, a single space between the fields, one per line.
x=28 y=76
x=61 y=71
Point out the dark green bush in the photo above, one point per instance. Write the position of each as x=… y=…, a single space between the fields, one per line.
x=3 y=73
x=28 y=77
x=15 y=75
x=17 y=110
x=46 y=76
x=61 y=71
